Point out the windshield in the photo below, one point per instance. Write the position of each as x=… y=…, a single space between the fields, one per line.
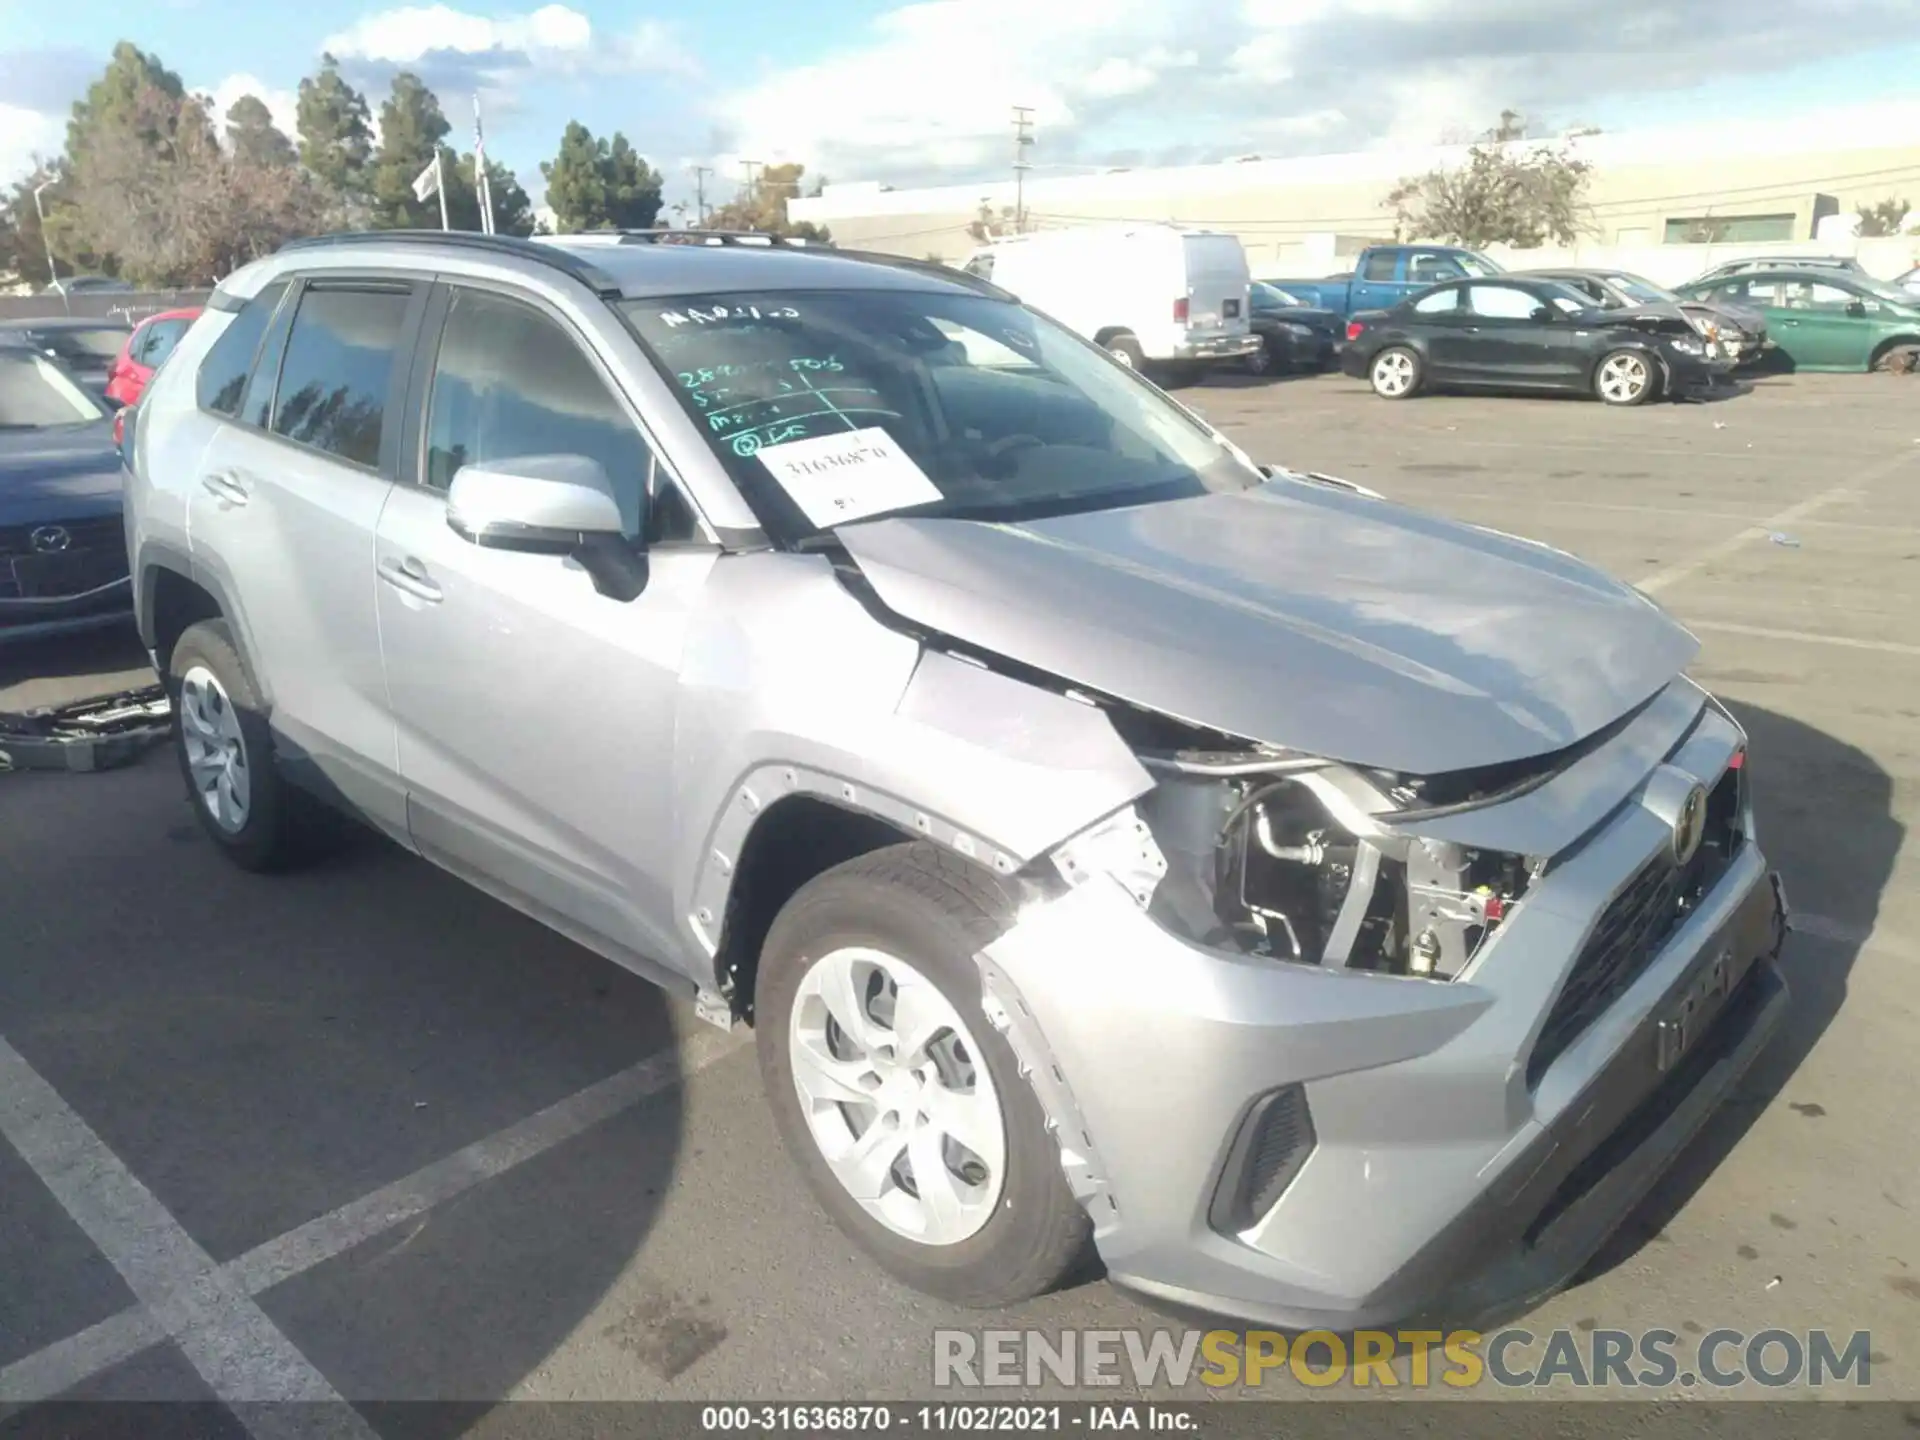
x=84 y=344
x=1478 y=266
x=36 y=394
x=1569 y=299
x=1881 y=290
x=1644 y=292
x=830 y=406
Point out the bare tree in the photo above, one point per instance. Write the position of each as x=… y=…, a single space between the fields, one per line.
x=1882 y=218
x=1508 y=192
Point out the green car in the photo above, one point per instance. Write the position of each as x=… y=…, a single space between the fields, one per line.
x=1822 y=319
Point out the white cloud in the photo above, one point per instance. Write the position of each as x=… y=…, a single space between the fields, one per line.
x=928 y=86
x=25 y=134
x=413 y=32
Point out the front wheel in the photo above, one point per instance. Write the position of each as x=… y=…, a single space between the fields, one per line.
x=905 y=1111
x=1395 y=373
x=1124 y=348
x=1624 y=377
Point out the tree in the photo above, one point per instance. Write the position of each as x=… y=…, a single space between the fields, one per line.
x=411 y=129
x=253 y=137
x=336 y=138
x=1508 y=192
x=600 y=184
x=1882 y=219
x=762 y=205
x=512 y=209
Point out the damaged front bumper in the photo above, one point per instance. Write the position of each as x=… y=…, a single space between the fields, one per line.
x=1308 y=1148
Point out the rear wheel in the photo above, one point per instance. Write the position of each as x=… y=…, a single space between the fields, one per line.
x=1624 y=377
x=1898 y=357
x=1124 y=348
x=1395 y=373
x=905 y=1111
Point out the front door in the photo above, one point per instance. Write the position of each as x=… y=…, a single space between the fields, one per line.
x=285 y=507
x=536 y=716
x=1812 y=322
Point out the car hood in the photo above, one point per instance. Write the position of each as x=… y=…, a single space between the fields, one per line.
x=1296 y=614
x=58 y=474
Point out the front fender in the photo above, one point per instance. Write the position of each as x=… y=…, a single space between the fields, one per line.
x=793 y=686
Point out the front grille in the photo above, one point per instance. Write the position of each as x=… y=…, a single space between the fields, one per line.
x=97 y=532
x=1269 y=1148
x=1635 y=924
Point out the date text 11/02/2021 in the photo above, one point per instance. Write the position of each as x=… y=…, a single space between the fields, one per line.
x=956 y=1417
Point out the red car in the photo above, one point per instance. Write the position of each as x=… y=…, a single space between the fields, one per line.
x=151 y=342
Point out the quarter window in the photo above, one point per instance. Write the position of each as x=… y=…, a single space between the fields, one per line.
x=339 y=360
x=509 y=382
x=223 y=374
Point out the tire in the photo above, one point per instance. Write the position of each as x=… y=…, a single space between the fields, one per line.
x=913 y=915
x=1124 y=348
x=1625 y=377
x=1899 y=357
x=1266 y=360
x=257 y=820
x=1395 y=373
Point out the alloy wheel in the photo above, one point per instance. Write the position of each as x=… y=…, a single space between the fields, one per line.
x=896 y=1095
x=1623 y=378
x=216 y=749
x=1393 y=373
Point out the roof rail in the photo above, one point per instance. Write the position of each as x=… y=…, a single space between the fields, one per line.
x=751 y=238
x=577 y=266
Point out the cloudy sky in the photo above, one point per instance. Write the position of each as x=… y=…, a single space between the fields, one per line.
x=862 y=89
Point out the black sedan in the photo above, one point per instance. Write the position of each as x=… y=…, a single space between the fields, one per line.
x=87 y=347
x=1740 y=331
x=63 y=551
x=1510 y=334
x=1293 y=336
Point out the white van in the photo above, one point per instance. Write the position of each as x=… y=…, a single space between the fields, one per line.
x=1159 y=296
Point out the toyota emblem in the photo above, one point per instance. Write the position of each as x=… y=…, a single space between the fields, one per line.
x=50 y=539
x=1690 y=826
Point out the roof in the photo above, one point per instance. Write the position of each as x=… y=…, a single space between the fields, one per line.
x=656 y=271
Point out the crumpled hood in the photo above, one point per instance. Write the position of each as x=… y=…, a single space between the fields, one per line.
x=1298 y=615
x=64 y=473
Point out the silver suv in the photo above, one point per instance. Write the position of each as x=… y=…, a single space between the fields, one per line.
x=1332 y=912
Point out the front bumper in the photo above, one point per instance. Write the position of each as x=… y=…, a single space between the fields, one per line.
x=1220 y=347
x=1439 y=1182
x=103 y=606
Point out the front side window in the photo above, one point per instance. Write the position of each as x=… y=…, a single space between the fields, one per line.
x=36 y=394
x=1501 y=302
x=1432 y=269
x=223 y=373
x=829 y=406
x=509 y=383
x=339 y=362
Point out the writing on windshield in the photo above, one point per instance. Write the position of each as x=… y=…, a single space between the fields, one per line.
x=758 y=403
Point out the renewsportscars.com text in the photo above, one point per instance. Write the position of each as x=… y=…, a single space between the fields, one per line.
x=1417 y=1359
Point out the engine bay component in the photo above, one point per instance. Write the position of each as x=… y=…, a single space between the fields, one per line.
x=1260 y=862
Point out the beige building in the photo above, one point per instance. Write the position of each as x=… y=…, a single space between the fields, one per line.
x=1772 y=181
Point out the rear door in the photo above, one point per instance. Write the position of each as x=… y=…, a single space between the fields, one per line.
x=1217 y=283
x=289 y=493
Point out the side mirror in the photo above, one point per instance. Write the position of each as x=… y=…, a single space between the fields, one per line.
x=550 y=505
x=1542 y=314
x=1857 y=309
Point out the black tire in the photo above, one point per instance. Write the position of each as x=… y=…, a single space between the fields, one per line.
x=1401 y=353
x=283 y=826
x=1896 y=357
x=935 y=911
x=1650 y=370
x=1124 y=348
x=1267 y=360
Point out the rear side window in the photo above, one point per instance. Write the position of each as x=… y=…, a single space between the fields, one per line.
x=1439 y=302
x=339 y=362
x=1379 y=266
x=223 y=374
x=158 y=342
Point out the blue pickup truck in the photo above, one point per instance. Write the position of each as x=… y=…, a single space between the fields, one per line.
x=1384 y=275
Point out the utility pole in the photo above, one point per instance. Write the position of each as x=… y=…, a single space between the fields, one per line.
x=750 y=166
x=700 y=173
x=1022 y=142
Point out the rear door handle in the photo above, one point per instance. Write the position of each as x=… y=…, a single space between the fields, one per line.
x=225 y=487
x=410 y=577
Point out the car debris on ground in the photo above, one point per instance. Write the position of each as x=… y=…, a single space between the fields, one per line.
x=99 y=734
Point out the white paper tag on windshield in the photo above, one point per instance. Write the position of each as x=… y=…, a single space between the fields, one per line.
x=837 y=478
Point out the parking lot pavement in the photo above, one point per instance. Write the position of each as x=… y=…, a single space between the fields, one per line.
x=360 y=1131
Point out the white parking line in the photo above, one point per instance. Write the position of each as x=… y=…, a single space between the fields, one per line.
x=1803 y=637
x=1669 y=575
x=191 y=1272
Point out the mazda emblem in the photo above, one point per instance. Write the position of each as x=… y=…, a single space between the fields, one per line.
x=1690 y=825
x=50 y=539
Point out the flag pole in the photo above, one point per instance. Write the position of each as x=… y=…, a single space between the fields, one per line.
x=440 y=186
x=482 y=186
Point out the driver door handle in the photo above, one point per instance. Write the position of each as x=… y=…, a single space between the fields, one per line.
x=410 y=577
x=225 y=487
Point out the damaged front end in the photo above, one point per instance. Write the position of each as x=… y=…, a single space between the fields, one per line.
x=1293 y=858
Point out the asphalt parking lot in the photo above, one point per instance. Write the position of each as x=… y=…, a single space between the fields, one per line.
x=360 y=1132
